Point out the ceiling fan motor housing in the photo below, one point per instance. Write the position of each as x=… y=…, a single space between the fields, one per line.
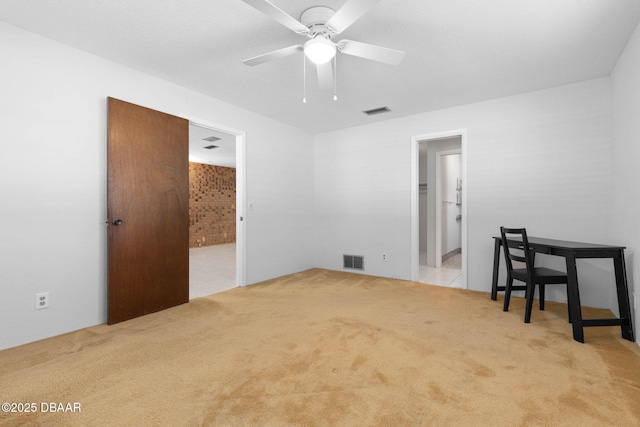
x=315 y=19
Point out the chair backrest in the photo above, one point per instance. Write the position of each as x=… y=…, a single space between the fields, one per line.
x=524 y=255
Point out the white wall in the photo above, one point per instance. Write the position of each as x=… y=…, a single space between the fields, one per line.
x=625 y=173
x=53 y=182
x=540 y=160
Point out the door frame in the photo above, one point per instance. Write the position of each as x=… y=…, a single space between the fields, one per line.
x=241 y=193
x=415 y=194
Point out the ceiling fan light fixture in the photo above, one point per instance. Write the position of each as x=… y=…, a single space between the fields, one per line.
x=319 y=50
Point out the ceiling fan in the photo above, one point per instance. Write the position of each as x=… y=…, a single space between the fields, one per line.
x=320 y=24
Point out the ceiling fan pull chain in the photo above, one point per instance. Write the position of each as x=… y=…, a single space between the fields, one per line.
x=304 y=79
x=335 y=77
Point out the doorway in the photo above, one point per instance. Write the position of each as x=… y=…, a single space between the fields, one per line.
x=212 y=211
x=216 y=203
x=438 y=204
x=147 y=209
x=448 y=213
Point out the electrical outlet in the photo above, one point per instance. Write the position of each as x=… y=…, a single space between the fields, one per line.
x=384 y=257
x=42 y=300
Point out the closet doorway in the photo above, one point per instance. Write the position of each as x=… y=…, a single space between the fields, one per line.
x=438 y=208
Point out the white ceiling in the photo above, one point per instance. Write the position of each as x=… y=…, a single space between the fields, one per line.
x=457 y=51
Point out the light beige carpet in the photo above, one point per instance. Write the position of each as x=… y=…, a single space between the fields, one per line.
x=328 y=348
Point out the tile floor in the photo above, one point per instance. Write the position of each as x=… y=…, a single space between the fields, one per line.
x=448 y=275
x=212 y=269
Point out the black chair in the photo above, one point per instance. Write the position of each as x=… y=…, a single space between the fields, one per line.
x=530 y=275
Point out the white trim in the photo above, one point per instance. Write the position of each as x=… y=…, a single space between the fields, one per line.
x=414 y=223
x=241 y=193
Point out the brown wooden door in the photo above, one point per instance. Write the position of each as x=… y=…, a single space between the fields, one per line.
x=148 y=210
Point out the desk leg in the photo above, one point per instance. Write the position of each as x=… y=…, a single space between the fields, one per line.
x=573 y=298
x=496 y=265
x=623 y=297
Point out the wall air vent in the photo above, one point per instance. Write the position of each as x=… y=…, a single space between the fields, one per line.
x=377 y=111
x=211 y=139
x=211 y=147
x=355 y=262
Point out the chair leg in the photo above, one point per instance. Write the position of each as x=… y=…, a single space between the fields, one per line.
x=531 y=287
x=507 y=293
x=541 y=292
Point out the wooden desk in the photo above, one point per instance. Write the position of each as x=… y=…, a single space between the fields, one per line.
x=571 y=251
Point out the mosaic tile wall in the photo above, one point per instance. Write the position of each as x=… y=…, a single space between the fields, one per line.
x=212 y=205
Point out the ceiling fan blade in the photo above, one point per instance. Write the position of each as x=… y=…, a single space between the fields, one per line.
x=276 y=54
x=278 y=14
x=349 y=13
x=325 y=75
x=370 y=51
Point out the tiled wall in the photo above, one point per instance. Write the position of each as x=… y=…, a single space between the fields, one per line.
x=212 y=205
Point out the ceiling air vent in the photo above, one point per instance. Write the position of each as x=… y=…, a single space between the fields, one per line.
x=211 y=139
x=211 y=147
x=377 y=111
